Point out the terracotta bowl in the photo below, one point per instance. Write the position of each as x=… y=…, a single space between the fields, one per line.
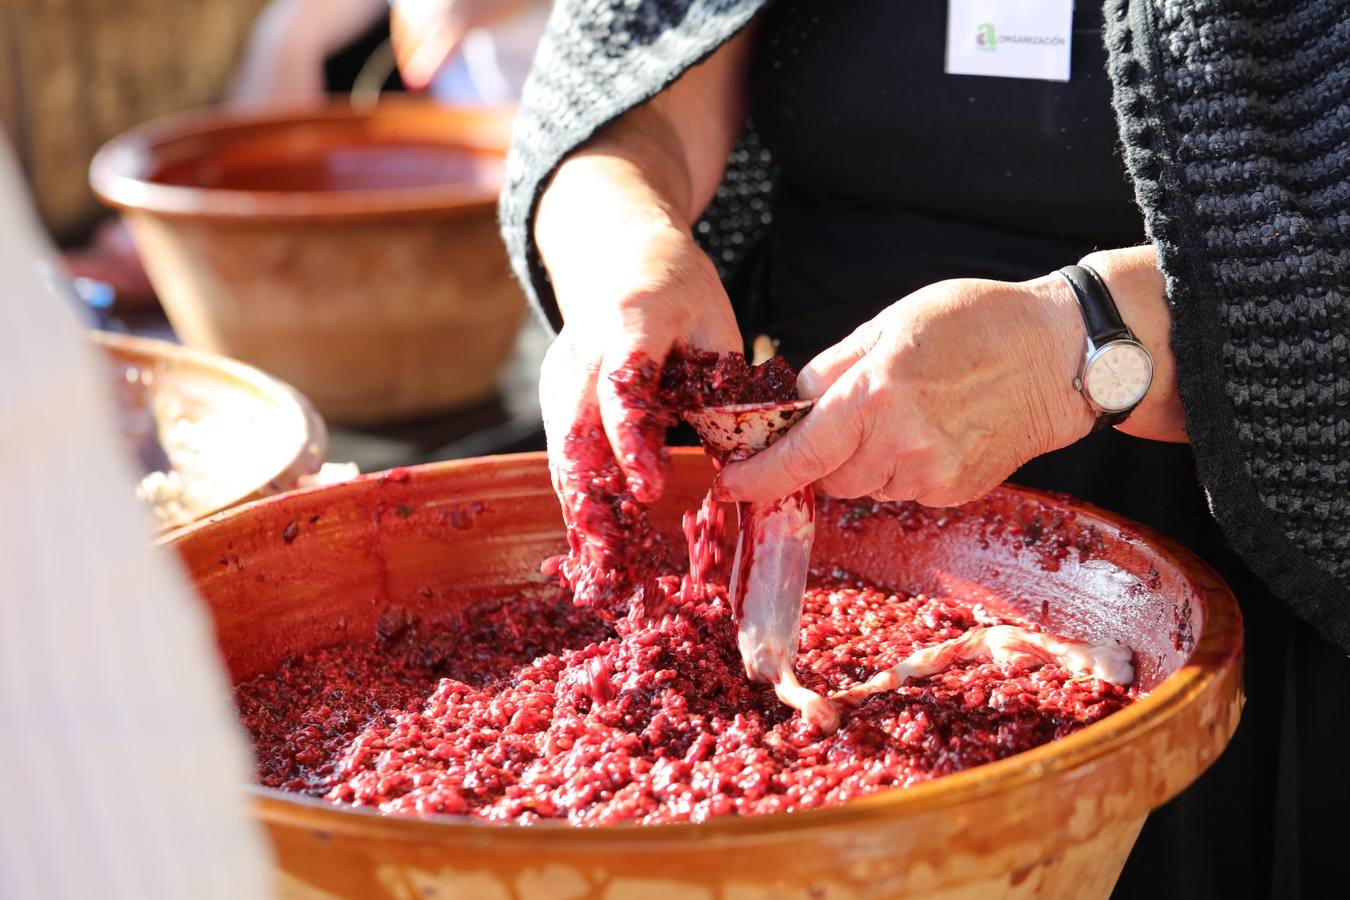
x=353 y=254
x=227 y=431
x=1057 y=821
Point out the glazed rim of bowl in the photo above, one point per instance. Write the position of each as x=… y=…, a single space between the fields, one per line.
x=1219 y=644
x=122 y=169
x=306 y=456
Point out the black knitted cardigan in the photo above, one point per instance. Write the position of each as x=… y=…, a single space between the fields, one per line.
x=1234 y=118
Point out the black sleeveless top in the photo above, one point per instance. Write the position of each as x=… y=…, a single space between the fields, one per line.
x=895 y=175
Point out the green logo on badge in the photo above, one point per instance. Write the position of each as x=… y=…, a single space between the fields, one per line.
x=986 y=38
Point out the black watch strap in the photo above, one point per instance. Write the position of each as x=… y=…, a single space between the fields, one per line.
x=1100 y=314
x=1103 y=322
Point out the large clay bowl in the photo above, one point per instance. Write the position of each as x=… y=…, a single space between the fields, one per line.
x=229 y=432
x=318 y=567
x=353 y=254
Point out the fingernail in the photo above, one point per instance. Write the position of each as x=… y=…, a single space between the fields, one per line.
x=808 y=385
x=719 y=490
x=646 y=483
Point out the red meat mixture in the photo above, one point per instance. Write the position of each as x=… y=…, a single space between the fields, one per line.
x=611 y=546
x=620 y=695
x=534 y=708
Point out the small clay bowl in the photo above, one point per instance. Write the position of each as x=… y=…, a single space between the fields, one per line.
x=229 y=432
x=354 y=254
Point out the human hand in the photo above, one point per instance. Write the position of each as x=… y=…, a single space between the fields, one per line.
x=650 y=292
x=630 y=282
x=938 y=399
x=283 y=61
x=425 y=33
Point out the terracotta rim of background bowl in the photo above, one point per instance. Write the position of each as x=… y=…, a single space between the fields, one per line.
x=120 y=171
x=1216 y=656
x=309 y=453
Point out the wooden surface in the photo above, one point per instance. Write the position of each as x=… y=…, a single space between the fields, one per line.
x=75 y=73
x=1056 y=821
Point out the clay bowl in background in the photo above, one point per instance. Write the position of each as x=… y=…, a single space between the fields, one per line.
x=1056 y=821
x=353 y=254
x=230 y=432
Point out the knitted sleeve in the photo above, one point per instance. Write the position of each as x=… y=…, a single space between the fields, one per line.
x=597 y=60
x=1235 y=120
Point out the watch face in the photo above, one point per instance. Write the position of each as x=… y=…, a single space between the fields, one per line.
x=1117 y=375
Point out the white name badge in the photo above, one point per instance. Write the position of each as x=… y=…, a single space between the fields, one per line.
x=1010 y=38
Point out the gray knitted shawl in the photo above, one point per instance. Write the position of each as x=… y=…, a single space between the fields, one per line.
x=1234 y=116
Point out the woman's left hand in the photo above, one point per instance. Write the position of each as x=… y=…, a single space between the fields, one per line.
x=939 y=398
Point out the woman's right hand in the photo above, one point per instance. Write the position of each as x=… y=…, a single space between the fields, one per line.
x=648 y=291
x=613 y=228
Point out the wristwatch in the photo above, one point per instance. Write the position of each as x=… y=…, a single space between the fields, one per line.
x=1117 y=370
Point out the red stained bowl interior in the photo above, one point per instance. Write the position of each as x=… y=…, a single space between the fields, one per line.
x=404 y=155
x=294 y=161
x=317 y=568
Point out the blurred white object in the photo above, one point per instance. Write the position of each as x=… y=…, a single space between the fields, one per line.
x=122 y=758
x=329 y=473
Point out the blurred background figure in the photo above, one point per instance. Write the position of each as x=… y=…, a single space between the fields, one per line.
x=467 y=50
x=78 y=75
x=459 y=51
